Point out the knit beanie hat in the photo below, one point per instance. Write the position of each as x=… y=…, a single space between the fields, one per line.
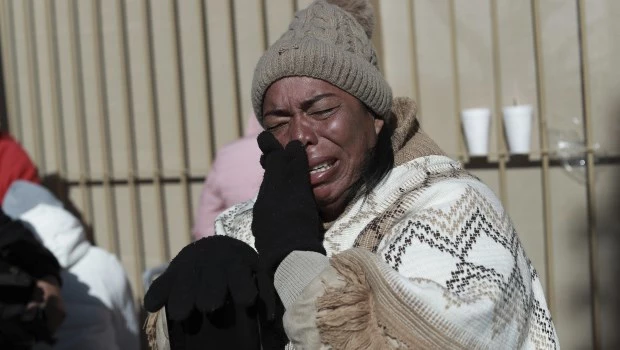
x=329 y=40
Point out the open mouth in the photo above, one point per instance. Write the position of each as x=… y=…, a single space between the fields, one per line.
x=322 y=167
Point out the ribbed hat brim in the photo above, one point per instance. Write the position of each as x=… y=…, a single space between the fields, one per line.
x=316 y=59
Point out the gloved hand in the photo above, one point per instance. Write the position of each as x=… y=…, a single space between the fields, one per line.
x=23 y=260
x=209 y=290
x=285 y=216
x=19 y=247
x=230 y=327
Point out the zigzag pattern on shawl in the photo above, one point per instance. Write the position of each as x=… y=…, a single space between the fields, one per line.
x=372 y=235
x=456 y=232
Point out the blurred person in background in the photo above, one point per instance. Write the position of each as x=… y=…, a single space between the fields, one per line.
x=14 y=164
x=31 y=304
x=235 y=177
x=372 y=237
x=95 y=290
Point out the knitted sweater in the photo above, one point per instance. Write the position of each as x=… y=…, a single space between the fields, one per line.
x=429 y=260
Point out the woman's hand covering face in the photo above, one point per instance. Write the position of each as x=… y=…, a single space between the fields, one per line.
x=285 y=216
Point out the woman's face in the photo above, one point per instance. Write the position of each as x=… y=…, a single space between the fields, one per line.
x=336 y=128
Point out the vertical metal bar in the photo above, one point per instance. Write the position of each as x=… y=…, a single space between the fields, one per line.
x=11 y=83
x=202 y=10
x=414 y=53
x=377 y=34
x=4 y=99
x=237 y=79
x=17 y=128
x=265 y=20
x=590 y=189
x=544 y=144
x=4 y=111
x=497 y=85
x=265 y=9
x=104 y=132
x=151 y=78
x=56 y=92
x=456 y=82
x=127 y=93
x=295 y=6
x=80 y=110
x=34 y=84
x=181 y=114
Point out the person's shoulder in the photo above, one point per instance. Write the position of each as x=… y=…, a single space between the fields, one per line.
x=9 y=144
x=106 y=265
x=104 y=275
x=443 y=180
x=15 y=159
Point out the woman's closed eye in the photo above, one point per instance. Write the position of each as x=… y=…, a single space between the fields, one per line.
x=275 y=126
x=324 y=112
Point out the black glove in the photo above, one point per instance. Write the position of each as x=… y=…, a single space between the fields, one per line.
x=272 y=334
x=230 y=327
x=20 y=326
x=209 y=290
x=285 y=218
x=23 y=260
x=19 y=247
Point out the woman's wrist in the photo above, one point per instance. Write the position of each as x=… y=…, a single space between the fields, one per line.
x=295 y=272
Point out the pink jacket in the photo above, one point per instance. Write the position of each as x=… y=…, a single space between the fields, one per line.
x=235 y=177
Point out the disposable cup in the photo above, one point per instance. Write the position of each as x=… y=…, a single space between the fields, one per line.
x=476 y=123
x=518 y=127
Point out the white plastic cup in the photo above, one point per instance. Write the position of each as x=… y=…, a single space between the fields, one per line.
x=518 y=126
x=476 y=122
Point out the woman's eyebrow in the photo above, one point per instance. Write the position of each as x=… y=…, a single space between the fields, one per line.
x=278 y=112
x=309 y=102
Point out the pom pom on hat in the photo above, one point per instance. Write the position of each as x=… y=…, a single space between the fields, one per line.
x=361 y=10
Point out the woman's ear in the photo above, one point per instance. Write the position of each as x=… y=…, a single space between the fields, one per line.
x=378 y=125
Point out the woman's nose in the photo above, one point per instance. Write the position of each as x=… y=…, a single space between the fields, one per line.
x=301 y=129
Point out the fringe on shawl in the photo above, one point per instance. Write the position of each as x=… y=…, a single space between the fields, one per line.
x=150 y=327
x=345 y=316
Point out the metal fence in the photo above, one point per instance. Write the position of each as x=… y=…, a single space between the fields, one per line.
x=122 y=104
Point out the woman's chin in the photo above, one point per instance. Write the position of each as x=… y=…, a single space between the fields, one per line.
x=330 y=207
x=323 y=195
